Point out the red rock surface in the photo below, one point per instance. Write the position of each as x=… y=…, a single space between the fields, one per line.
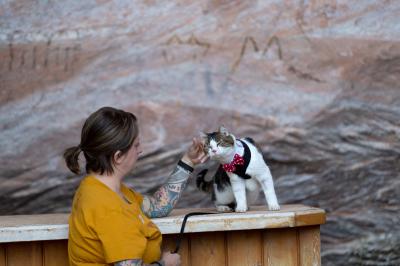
x=316 y=83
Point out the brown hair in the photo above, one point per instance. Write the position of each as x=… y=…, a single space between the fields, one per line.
x=105 y=132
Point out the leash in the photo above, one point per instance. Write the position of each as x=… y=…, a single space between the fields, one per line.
x=179 y=239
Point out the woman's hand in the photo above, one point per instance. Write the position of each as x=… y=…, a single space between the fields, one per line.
x=195 y=154
x=171 y=259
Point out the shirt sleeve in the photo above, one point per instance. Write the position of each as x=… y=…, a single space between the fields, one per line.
x=135 y=195
x=138 y=197
x=121 y=237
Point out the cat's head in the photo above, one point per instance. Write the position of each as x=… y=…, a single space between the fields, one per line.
x=218 y=144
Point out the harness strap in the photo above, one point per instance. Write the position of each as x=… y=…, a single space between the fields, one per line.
x=179 y=239
x=241 y=169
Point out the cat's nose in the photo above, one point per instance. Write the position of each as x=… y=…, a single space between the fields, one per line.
x=214 y=151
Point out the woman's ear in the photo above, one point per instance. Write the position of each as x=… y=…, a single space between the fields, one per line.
x=118 y=157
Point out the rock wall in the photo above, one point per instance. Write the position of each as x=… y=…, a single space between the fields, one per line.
x=316 y=83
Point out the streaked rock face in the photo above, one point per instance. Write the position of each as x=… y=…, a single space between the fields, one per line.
x=316 y=83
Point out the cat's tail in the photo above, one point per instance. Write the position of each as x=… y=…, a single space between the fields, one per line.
x=201 y=183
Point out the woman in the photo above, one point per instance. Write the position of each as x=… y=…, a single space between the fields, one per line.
x=109 y=223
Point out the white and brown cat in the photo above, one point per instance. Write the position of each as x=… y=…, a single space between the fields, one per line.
x=240 y=175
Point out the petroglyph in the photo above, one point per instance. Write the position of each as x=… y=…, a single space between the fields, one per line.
x=66 y=58
x=272 y=42
x=317 y=11
x=46 y=59
x=41 y=56
x=11 y=53
x=22 y=62
x=57 y=52
x=37 y=50
x=191 y=41
x=303 y=75
x=34 y=57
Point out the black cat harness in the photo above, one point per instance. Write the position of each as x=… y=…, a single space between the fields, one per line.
x=239 y=163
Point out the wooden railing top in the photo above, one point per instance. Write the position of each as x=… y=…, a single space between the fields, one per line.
x=55 y=226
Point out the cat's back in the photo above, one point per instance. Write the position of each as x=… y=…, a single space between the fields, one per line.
x=253 y=146
x=251 y=142
x=257 y=160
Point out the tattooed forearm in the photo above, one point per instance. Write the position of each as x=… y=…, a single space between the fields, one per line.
x=166 y=197
x=134 y=263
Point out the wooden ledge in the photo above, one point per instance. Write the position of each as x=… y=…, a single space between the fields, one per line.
x=258 y=217
x=55 y=226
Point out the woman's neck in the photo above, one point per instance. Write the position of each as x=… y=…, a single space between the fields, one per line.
x=112 y=181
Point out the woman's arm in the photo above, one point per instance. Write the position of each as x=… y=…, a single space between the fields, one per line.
x=166 y=197
x=136 y=263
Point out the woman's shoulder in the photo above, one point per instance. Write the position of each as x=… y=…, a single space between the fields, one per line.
x=94 y=196
x=132 y=194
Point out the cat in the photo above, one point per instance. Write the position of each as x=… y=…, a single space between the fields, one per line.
x=241 y=174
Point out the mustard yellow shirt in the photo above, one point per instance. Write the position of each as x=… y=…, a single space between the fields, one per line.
x=104 y=228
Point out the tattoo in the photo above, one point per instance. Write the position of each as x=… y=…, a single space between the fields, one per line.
x=136 y=262
x=166 y=197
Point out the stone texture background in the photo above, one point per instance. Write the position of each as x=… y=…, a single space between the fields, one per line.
x=316 y=83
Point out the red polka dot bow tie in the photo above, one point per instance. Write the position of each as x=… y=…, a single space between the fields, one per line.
x=237 y=160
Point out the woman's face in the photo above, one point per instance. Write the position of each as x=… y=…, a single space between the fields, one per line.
x=134 y=151
x=131 y=157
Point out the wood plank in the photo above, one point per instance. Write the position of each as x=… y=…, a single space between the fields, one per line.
x=309 y=218
x=24 y=254
x=281 y=247
x=309 y=239
x=24 y=228
x=169 y=244
x=207 y=249
x=244 y=248
x=43 y=227
x=55 y=253
x=253 y=209
x=2 y=254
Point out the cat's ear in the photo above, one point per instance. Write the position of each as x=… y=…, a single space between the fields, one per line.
x=202 y=135
x=223 y=130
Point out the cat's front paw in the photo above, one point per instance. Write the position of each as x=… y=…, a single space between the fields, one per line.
x=223 y=208
x=241 y=209
x=274 y=207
